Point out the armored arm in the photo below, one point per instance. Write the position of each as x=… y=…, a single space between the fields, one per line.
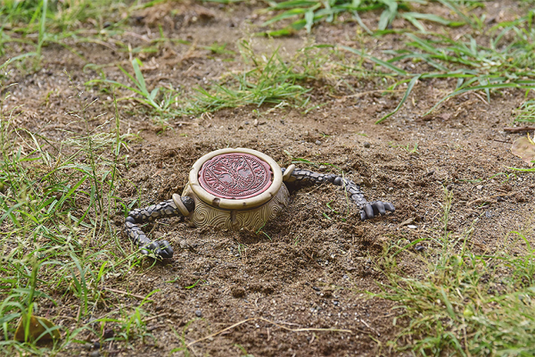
x=178 y=206
x=307 y=177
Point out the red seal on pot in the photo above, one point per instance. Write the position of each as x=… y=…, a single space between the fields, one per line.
x=235 y=176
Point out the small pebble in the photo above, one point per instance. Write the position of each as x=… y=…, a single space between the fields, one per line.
x=367 y=144
x=238 y=292
x=108 y=333
x=419 y=248
x=96 y=345
x=94 y=354
x=479 y=187
x=198 y=313
x=318 y=142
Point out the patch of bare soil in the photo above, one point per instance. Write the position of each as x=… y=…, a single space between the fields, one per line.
x=311 y=268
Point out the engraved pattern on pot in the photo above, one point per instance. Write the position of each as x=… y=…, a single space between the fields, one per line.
x=252 y=219
x=256 y=218
x=204 y=214
x=235 y=176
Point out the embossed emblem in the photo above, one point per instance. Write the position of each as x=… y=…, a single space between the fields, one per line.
x=235 y=176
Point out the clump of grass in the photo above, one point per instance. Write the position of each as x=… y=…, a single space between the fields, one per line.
x=60 y=15
x=475 y=67
x=36 y=24
x=266 y=80
x=526 y=112
x=160 y=99
x=57 y=202
x=465 y=303
x=311 y=12
x=270 y=80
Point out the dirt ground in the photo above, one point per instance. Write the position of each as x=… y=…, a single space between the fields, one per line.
x=312 y=267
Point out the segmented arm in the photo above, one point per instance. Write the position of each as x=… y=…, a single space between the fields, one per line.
x=367 y=209
x=161 y=249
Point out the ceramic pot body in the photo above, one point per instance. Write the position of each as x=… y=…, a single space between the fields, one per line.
x=235 y=189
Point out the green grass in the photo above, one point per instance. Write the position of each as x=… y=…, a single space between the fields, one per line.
x=60 y=15
x=160 y=99
x=526 y=112
x=466 y=61
x=464 y=303
x=310 y=12
x=269 y=80
x=58 y=240
x=37 y=24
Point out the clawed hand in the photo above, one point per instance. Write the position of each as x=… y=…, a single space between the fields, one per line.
x=161 y=249
x=373 y=209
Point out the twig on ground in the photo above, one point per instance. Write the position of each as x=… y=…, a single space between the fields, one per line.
x=480 y=98
x=371 y=328
x=357 y=95
x=270 y=322
x=519 y=129
x=140 y=297
x=312 y=259
x=152 y=328
x=490 y=199
x=156 y=316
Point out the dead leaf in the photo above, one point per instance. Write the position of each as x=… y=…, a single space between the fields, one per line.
x=38 y=328
x=524 y=148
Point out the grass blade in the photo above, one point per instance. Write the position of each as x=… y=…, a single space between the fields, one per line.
x=405 y=96
x=378 y=61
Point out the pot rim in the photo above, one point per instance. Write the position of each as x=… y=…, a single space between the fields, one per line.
x=226 y=203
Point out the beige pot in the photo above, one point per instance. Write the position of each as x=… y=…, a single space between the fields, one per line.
x=235 y=189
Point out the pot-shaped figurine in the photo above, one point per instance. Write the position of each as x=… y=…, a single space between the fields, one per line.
x=237 y=189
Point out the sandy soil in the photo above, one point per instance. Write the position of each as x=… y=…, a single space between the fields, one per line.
x=313 y=271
